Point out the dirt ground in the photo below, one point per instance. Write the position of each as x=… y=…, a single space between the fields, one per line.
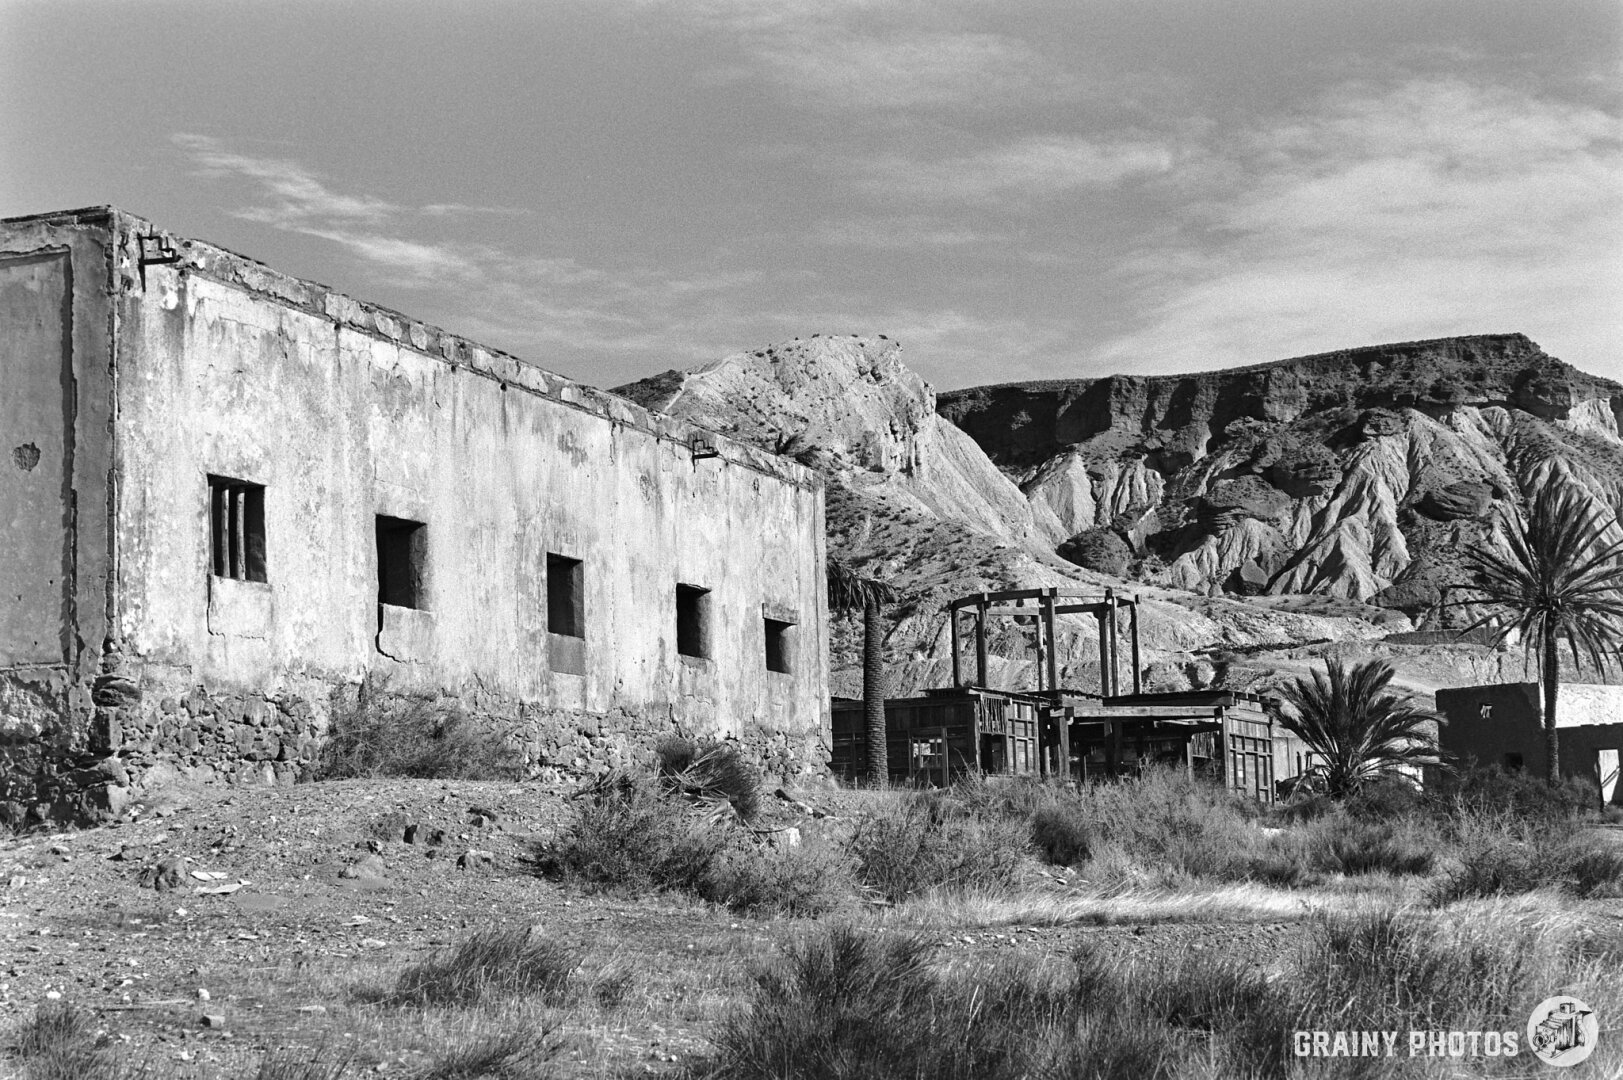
x=267 y=945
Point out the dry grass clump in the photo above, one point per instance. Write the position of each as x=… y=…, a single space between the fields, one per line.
x=302 y=1065
x=494 y=964
x=60 y=1043
x=377 y=735
x=504 y=1055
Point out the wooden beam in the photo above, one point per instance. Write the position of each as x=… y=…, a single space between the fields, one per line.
x=957 y=669
x=1115 y=650
x=1107 y=711
x=1138 y=675
x=1053 y=642
x=980 y=642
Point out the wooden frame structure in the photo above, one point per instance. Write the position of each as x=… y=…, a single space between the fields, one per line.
x=1044 y=605
x=1056 y=732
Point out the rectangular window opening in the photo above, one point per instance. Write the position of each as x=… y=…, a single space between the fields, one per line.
x=693 y=621
x=236 y=529
x=1513 y=763
x=779 y=638
x=566 y=600
x=402 y=562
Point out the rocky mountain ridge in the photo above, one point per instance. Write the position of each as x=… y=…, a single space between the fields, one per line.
x=1361 y=473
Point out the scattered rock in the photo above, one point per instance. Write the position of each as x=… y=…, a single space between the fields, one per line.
x=213 y=1020
x=410 y=835
x=475 y=859
x=370 y=868
x=167 y=873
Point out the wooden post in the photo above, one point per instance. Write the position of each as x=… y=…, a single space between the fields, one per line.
x=1189 y=756
x=1037 y=620
x=1132 y=628
x=957 y=672
x=1053 y=640
x=1065 y=746
x=980 y=640
x=946 y=759
x=1104 y=653
x=1114 y=675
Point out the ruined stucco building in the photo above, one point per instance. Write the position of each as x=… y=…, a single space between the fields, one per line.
x=227 y=495
x=1503 y=724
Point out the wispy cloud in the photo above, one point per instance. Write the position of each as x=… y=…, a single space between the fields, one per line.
x=1434 y=208
x=865 y=58
x=546 y=307
x=300 y=194
x=903 y=231
x=1029 y=168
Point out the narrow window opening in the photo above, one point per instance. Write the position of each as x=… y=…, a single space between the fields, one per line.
x=566 y=602
x=237 y=529
x=402 y=562
x=693 y=621
x=778 y=642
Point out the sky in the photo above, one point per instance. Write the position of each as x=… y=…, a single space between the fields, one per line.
x=1015 y=190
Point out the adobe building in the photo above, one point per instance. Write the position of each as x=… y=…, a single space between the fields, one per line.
x=1503 y=724
x=228 y=495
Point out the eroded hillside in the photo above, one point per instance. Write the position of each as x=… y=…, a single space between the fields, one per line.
x=1361 y=474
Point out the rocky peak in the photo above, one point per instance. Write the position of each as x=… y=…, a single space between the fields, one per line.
x=849 y=407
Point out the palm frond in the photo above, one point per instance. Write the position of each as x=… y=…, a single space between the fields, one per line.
x=1360 y=730
x=1555 y=574
x=850 y=591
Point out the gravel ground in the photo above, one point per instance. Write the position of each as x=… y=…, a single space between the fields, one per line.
x=293 y=897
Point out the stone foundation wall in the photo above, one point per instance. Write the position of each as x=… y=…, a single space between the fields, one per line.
x=67 y=763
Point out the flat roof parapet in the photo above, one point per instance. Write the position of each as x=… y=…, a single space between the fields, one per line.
x=253 y=276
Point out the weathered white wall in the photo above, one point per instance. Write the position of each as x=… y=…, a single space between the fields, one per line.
x=347 y=415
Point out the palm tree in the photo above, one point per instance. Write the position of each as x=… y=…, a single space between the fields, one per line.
x=1359 y=729
x=850 y=591
x=1561 y=578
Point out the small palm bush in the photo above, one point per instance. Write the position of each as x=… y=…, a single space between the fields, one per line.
x=1359 y=730
x=709 y=772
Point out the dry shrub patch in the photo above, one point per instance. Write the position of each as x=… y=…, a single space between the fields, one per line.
x=929 y=843
x=379 y=736
x=636 y=835
x=1500 y=856
x=856 y=1006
